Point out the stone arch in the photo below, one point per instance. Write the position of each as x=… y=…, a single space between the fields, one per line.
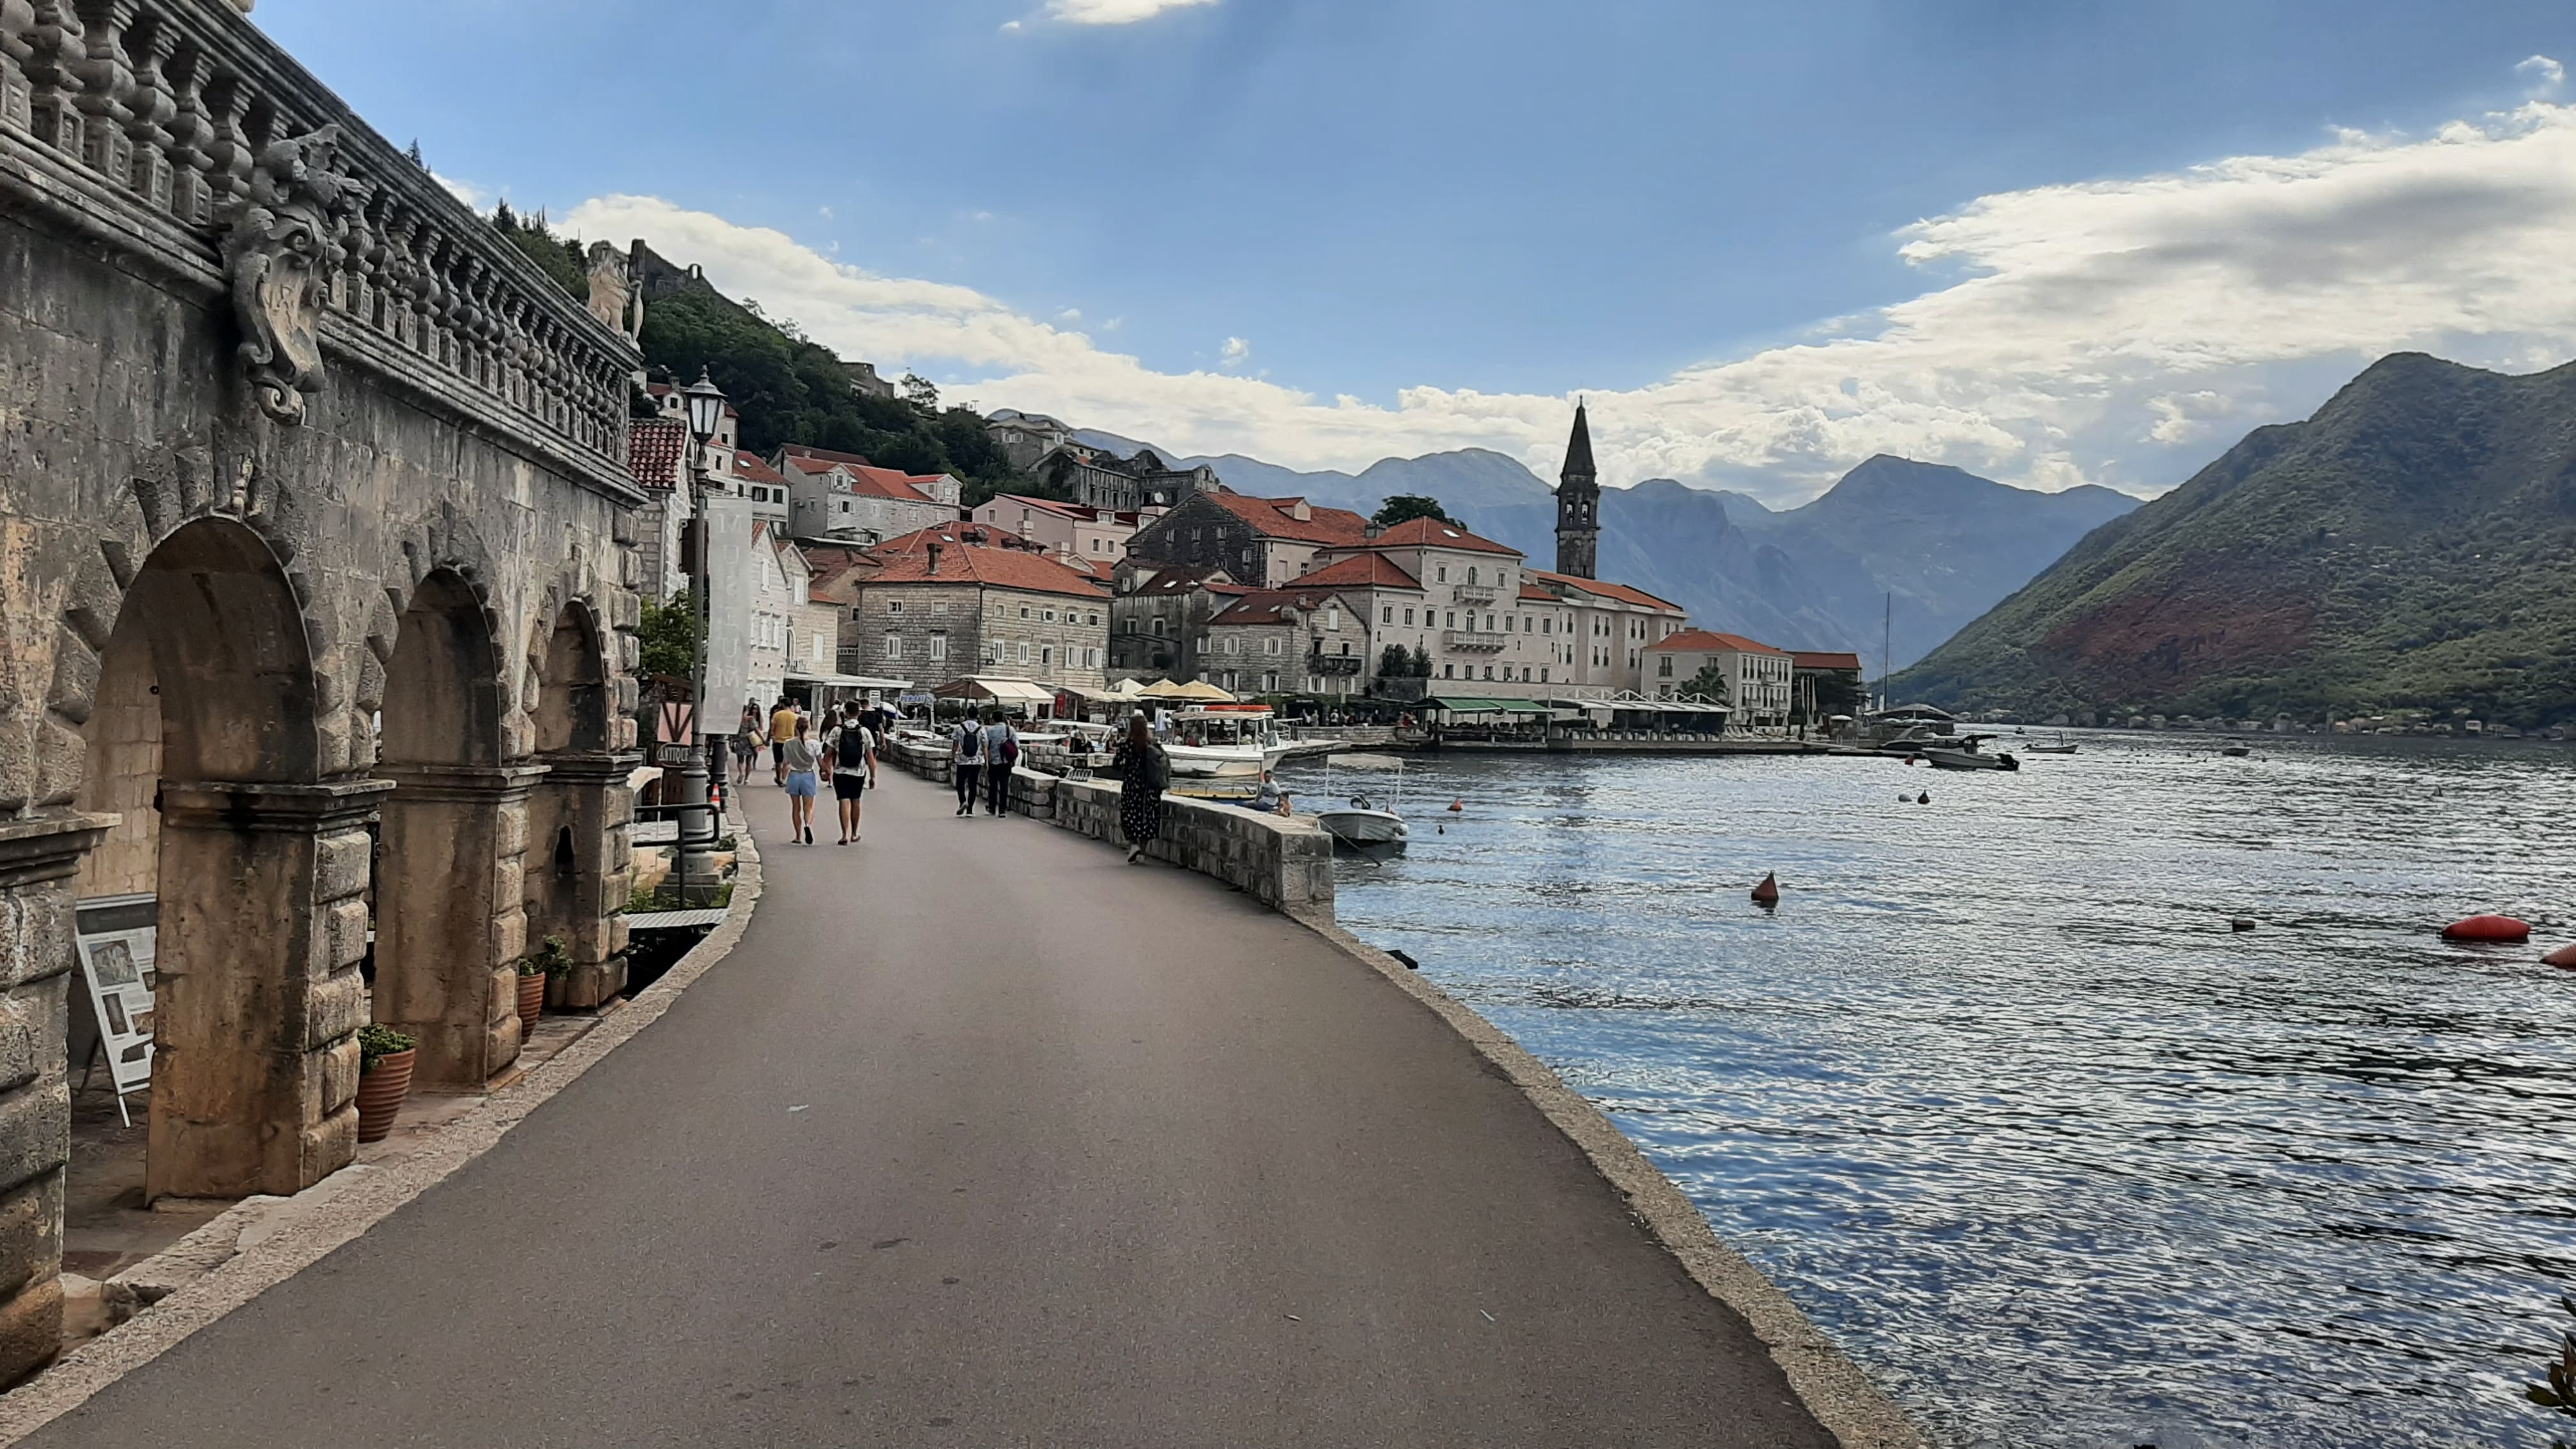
x=197 y=701
x=577 y=866
x=450 y=922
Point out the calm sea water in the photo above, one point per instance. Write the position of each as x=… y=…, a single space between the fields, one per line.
x=2000 y=1100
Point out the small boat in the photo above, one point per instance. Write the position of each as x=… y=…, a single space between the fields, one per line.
x=1963 y=754
x=1223 y=740
x=2236 y=749
x=1364 y=824
x=2064 y=746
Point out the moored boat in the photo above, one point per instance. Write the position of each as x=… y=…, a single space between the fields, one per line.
x=1964 y=754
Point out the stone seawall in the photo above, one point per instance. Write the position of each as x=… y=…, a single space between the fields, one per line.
x=1282 y=861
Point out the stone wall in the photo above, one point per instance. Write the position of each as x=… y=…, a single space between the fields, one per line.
x=1281 y=861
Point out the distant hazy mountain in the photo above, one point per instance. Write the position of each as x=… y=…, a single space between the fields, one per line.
x=2405 y=548
x=1948 y=545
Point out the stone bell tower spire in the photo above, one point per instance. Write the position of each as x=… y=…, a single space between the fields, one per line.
x=1578 y=504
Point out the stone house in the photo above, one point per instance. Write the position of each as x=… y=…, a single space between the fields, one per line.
x=1024 y=438
x=1159 y=612
x=1264 y=542
x=842 y=496
x=1294 y=641
x=1098 y=478
x=944 y=603
x=657 y=451
x=1095 y=536
x=1756 y=674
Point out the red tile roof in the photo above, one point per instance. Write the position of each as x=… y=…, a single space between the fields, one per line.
x=1812 y=659
x=1043 y=505
x=1701 y=641
x=1620 y=592
x=1361 y=570
x=1184 y=580
x=1001 y=560
x=1534 y=593
x=804 y=450
x=749 y=468
x=1433 y=533
x=1270 y=518
x=1270 y=606
x=654 y=447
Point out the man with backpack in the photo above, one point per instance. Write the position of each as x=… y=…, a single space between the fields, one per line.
x=1001 y=753
x=966 y=760
x=850 y=750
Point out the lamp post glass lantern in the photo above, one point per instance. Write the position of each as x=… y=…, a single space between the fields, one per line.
x=698 y=884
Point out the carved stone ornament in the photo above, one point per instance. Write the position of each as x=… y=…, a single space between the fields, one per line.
x=611 y=284
x=282 y=247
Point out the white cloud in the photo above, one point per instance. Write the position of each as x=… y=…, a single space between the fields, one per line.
x=2545 y=75
x=2118 y=331
x=1235 y=352
x=464 y=191
x=1113 y=12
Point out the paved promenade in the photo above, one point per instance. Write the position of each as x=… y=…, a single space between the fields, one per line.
x=985 y=1138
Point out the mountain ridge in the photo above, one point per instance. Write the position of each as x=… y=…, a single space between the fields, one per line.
x=2402 y=548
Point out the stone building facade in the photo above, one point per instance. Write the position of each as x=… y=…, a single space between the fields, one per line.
x=1159 y=612
x=1098 y=478
x=946 y=603
x=318 y=508
x=1260 y=542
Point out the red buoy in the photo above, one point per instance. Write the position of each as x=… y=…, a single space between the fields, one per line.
x=1458 y=804
x=1767 y=893
x=2487 y=928
x=2563 y=956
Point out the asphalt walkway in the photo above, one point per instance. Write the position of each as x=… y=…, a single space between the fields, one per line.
x=984 y=1138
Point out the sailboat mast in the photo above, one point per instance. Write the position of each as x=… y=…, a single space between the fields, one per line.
x=1886 y=650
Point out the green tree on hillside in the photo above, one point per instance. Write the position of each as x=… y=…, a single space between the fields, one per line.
x=560 y=257
x=1405 y=507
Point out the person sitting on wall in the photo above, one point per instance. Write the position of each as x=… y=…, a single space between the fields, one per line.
x=1269 y=799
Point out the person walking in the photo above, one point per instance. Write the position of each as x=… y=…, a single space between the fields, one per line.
x=966 y=761
x=746 y=743
x=799 y=759
x=851 y=749
x=1001 y=753
x=782 y=728
x=1144 y=773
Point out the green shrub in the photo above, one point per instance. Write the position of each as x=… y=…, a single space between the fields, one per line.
x=378 y=1040
x=551 y=958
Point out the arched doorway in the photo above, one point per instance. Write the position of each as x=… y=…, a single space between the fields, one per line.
x=450 y=921
x=202 y=739
x=577 y=863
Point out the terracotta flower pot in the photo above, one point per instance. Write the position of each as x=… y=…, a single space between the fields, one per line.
x=532 y=1004
x=381 y=1093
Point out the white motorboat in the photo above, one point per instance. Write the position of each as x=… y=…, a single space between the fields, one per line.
x=1223 y=740
x=2064 y=746
x=1963 y=754
x=1364 y=823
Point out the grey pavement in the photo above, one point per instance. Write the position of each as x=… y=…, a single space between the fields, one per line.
x=982 y=1138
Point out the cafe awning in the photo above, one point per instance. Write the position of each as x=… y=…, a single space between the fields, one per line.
x=997 y=689
x=1476 y=704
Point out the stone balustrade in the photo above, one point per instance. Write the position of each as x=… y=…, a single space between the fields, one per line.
x=176 y=131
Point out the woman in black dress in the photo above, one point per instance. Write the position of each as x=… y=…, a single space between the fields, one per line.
x=1144 y=773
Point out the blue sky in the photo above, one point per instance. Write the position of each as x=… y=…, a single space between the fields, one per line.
x=2051 y=243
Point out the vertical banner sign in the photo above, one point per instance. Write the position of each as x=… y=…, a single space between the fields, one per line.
x=118 y=966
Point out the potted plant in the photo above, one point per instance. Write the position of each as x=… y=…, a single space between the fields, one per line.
x=384 y=1078
x=551 y=959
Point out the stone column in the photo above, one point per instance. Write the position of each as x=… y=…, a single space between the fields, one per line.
x=255 y=1054
x=580 y=870
x=451 y=916
x=37 y=861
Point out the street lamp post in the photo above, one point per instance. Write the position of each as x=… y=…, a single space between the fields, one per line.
x=698 y=884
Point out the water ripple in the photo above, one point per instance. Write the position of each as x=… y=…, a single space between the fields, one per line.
x=1999 y=1098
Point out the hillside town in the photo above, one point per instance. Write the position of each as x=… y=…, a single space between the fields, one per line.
x=831 y=579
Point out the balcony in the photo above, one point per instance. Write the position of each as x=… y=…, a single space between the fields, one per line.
x=1471 y=594
x=1333 y=664
x=1481 y=641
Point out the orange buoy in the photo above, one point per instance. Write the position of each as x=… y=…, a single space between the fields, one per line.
x=2487 y=928
x=1458 y=804
x=1767 y=893
x=2563 y=956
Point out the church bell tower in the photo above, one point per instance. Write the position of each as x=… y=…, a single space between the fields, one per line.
x=1578 y=505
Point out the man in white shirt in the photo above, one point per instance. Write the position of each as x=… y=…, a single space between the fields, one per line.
x=851 y=749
